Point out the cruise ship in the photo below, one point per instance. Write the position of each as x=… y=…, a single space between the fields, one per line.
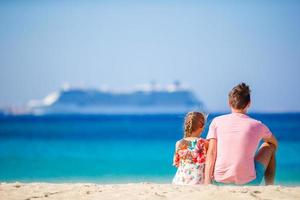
x=171 y=99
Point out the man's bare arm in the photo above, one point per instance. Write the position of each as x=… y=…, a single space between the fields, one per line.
x=210 y=160
x=271 y=140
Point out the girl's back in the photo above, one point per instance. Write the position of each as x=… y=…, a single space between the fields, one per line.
x=190 y=159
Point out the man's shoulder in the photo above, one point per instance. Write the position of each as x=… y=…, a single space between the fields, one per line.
x=221 y=117
x=226 y=117
x=257 y=124
x=255 y=121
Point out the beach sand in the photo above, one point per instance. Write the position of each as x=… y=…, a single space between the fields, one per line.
x=27 y=191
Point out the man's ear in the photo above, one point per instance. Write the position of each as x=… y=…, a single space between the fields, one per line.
x=229 y=104
x=247 y=107
x=249 y=104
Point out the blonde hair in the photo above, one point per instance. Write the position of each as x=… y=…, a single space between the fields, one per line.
x=193 y=121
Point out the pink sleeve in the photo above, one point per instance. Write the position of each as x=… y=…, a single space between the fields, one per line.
x=265 y=131
x=212 y=132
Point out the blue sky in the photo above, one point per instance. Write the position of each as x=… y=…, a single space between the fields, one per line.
x=208 y=46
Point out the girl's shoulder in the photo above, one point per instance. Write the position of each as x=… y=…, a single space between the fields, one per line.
x=188 y=141
x=202 y=143
x=181 y=142
x=201 y=140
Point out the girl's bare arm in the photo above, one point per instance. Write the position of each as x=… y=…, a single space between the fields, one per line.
x=175 y=162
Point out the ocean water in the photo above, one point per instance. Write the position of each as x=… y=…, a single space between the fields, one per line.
x=117 y=148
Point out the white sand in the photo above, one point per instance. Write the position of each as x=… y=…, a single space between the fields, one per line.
x=26 y=191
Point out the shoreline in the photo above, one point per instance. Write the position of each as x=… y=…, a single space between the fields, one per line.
x=142 y=190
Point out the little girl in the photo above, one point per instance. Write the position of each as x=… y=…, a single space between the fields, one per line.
x=190 y=151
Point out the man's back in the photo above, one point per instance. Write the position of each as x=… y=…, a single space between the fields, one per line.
x=237 y=137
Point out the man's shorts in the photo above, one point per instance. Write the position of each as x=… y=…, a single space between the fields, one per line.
x=260 y=172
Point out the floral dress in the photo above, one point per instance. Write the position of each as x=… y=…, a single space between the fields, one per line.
x=190 y=159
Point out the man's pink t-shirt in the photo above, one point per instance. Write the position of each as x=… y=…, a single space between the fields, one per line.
x=238 y=137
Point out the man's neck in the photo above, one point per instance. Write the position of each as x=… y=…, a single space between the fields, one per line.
x=238 y=111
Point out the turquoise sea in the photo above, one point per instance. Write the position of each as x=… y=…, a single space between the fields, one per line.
x=116 y=148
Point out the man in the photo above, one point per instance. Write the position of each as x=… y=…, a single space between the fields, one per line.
x=233 y=141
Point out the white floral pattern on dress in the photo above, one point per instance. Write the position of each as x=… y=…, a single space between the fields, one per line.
x=190 y=160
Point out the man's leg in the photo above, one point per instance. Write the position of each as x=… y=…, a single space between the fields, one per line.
x=266 y=156
x=270 y=171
